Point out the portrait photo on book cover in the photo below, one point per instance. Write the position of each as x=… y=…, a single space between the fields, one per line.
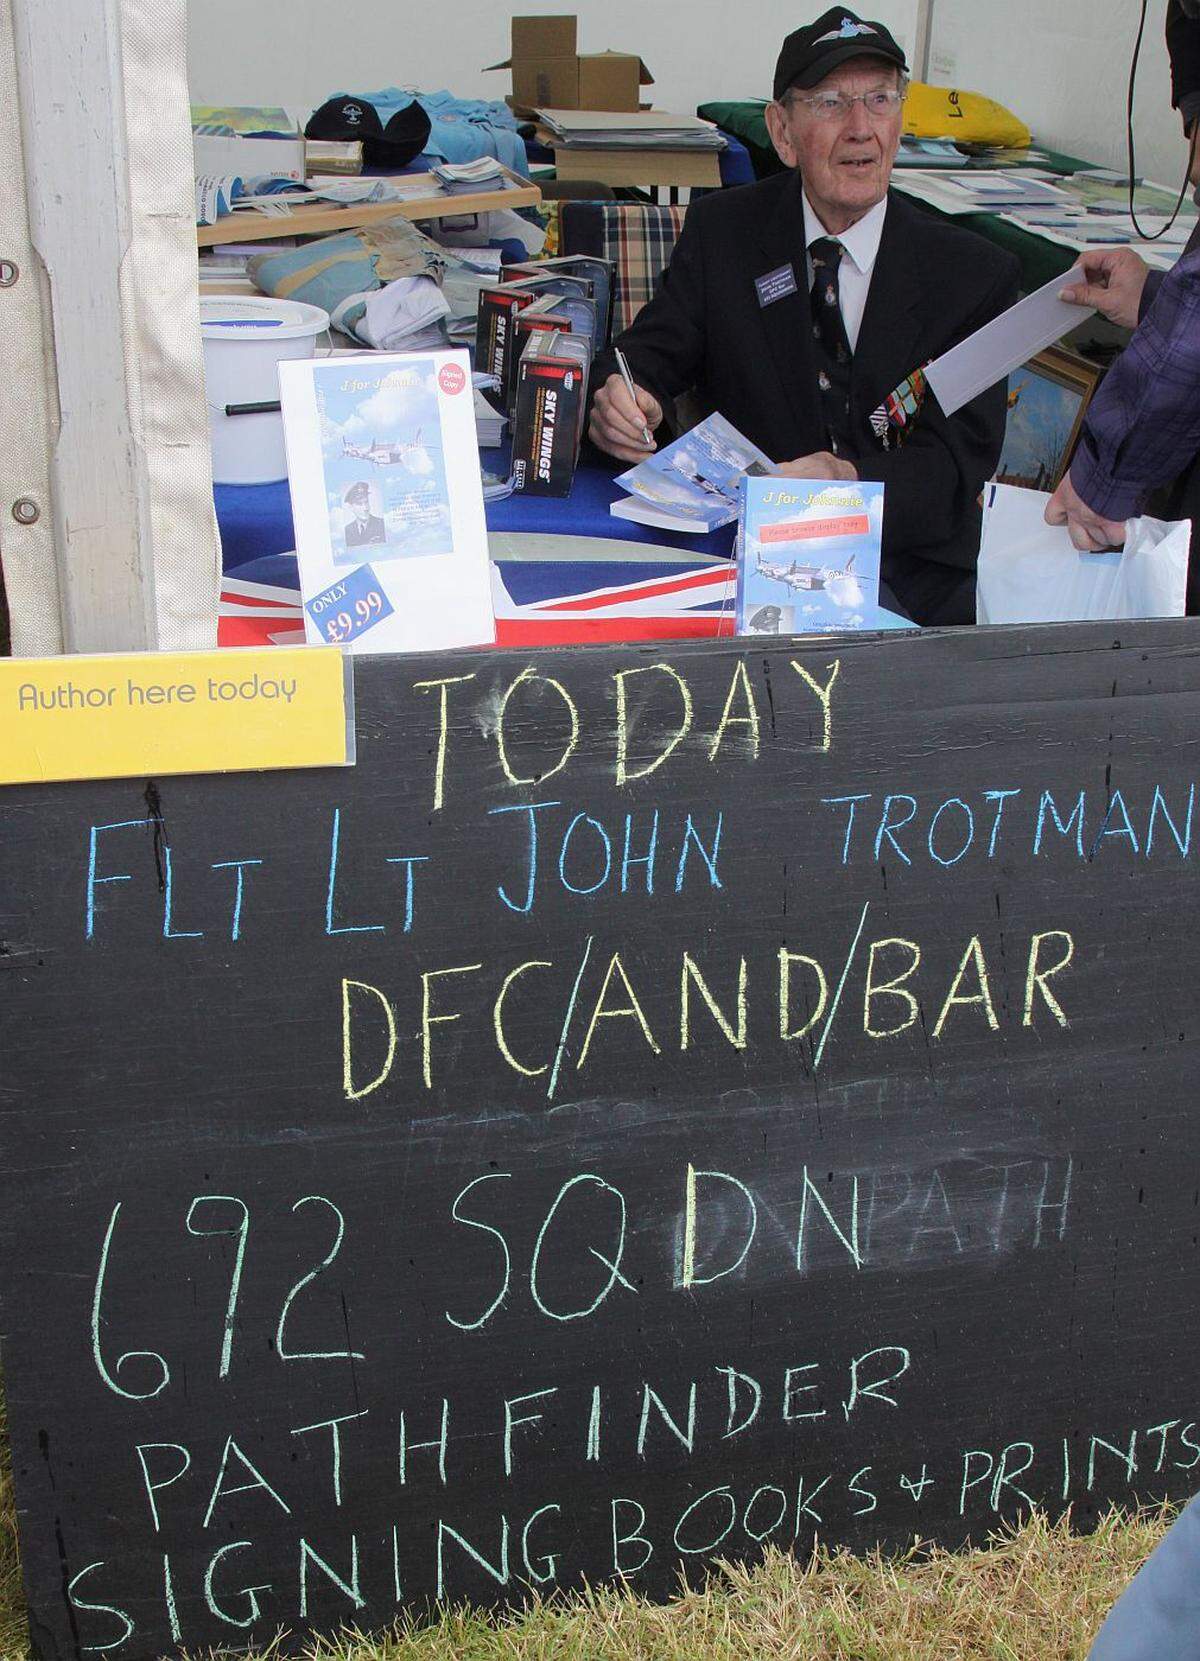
x=385 y=474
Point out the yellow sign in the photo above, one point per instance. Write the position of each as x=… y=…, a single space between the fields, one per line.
x=174 y=712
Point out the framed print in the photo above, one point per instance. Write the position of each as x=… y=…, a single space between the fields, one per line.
x=1047 y=401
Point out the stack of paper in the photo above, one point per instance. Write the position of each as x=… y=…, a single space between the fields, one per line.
x=467 y=177
x=630 y=130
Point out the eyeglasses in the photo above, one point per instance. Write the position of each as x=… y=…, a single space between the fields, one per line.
x=835 y=106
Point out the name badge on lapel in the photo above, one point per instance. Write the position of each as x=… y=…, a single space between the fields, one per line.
x=776 y=285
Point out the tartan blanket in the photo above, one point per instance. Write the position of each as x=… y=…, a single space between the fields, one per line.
x=638 y=237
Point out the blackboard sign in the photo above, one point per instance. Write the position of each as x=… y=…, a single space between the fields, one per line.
x=660 y=1101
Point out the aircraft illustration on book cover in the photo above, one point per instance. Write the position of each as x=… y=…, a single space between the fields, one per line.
x=409 y=451
x=805 y=577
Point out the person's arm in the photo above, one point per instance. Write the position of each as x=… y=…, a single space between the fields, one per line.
x=939 y=470
x=1143 y=425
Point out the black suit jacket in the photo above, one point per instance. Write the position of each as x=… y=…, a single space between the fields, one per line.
x=933 y=284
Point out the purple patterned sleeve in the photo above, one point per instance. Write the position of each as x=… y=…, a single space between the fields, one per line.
x=1143 y=426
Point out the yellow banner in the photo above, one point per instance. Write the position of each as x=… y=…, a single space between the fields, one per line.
x=173 y=712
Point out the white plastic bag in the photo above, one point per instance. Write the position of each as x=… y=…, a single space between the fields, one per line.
x=1030 y=572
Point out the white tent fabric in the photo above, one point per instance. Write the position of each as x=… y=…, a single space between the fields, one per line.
x=107 y=430
x=163 y=354
x=26 y=551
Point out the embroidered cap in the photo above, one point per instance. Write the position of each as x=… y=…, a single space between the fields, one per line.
x=809 y=54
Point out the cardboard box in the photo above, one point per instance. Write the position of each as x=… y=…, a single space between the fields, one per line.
x=549 y=73
x=551 y=394
x=545 y=37
x=245 y=140
x=538 y=80
x=610 y=81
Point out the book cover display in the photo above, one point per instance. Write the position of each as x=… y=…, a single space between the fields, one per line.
x=383 y=467
x=808 y=557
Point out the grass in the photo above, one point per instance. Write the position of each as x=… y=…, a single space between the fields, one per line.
x=1037 y=1593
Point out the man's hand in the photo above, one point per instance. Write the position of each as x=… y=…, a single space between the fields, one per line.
x=1087 y=530
x=617 y=422
x=1115 y=280
x=823 y=464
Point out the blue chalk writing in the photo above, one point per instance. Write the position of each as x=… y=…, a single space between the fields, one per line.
x=1157 y=806
x=1124 y=829
x=168 y=904
x=968 y=828
x=532 y=809
x=484 y=1228
x=691 y=835
x=853 y=801
x=439 y=1442
x=281 y=1348
x=646 y=859
x=93 y=881
x=130 y=1355
x=238 y=865
x=889 y=826
x=619 y=1540
x=1047 y=805
x=350 y=928
x=606 y=845
x=567 y=1018
x=613 y=1265
x=241 y=1230
x=408 y=861
x=999 y=797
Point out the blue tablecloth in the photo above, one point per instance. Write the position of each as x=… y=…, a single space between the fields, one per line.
x=255 y=520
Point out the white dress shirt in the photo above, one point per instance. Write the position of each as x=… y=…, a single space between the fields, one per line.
x=861 y=244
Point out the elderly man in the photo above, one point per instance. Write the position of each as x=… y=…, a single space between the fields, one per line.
x=797 y=305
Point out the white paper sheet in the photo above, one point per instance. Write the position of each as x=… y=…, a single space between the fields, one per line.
x=1005 y=343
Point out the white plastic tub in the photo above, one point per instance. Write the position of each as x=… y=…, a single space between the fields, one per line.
x=245 y=337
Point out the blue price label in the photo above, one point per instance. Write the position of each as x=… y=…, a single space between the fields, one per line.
x=349 y=607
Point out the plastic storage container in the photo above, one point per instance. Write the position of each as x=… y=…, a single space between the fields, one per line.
x=245 y=337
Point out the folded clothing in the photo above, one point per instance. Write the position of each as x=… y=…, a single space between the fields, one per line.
x=344 y=273
x=337 y=269
x=399 y=316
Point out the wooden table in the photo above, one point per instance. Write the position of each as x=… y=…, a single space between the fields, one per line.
x=324 y=219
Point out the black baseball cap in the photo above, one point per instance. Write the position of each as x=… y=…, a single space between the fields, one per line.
x=809 y=54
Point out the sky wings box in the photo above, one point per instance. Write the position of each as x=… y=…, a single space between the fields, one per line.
x=551 y=394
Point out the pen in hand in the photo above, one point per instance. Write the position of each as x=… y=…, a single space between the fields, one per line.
x=628 y=379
